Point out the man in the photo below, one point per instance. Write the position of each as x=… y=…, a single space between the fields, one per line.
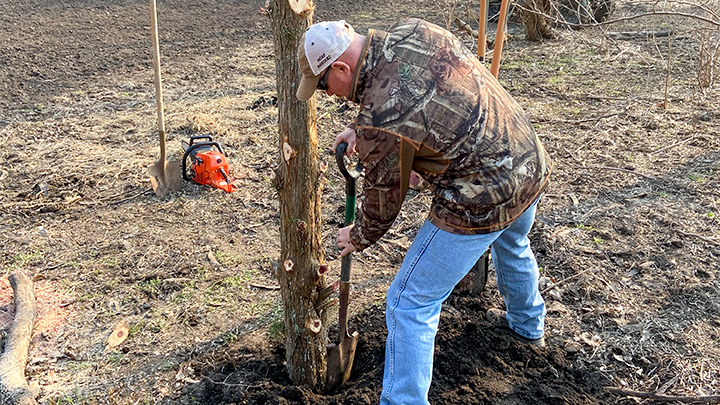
x=429 y=106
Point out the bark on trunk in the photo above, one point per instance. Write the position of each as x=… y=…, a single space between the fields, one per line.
x=14 y=389
x=299 y=189
x=537 y=26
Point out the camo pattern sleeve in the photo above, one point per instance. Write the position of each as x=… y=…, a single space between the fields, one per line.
x=429 y=105
x=385 y=184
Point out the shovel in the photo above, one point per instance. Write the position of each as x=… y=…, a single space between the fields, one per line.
x=340 y=356
x=164 y=176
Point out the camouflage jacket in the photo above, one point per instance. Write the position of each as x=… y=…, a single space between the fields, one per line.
x=429 y=105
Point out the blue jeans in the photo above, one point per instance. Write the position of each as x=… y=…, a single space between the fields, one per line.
x=436 y=261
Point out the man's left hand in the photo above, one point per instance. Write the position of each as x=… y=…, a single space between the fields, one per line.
x=344 y=241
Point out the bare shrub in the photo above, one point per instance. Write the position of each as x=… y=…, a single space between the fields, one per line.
x=709 y=63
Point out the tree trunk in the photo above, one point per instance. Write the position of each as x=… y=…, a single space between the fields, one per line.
x=537 y=26
x=298 y=182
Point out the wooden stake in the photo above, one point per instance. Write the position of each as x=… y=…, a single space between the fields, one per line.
x=482 y=41
x=499 y=39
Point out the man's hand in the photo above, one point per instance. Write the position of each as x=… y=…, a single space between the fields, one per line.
x=343 y=240
x=348 y=135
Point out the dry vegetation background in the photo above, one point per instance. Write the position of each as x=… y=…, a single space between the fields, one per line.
x=627 y=234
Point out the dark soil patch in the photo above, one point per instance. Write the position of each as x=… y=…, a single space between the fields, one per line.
x=473 y=365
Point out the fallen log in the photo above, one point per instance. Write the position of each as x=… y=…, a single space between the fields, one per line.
x=710 y=399
x=14 y=389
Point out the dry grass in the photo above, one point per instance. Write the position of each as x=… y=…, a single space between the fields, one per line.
x=627 y=234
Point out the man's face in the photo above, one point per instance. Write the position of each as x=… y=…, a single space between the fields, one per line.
x=336 y=80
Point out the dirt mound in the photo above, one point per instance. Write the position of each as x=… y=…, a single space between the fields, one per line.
x=473 y=365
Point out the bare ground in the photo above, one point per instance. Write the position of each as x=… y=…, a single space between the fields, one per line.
x=627 y=234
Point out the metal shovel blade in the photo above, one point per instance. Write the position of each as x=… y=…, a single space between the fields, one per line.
x=165 y=177
x=340 y=361
x=340 y=356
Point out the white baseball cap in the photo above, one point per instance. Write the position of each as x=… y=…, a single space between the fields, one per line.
x=321 y=45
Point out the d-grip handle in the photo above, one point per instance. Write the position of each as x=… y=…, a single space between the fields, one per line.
x=350 y=190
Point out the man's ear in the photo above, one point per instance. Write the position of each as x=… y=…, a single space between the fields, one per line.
x=342 y=66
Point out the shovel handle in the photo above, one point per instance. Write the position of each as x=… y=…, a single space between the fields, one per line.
x=158 y=80
x=350 y=186
x=350 y=190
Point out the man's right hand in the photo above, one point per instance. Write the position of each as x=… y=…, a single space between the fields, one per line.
x=348 y=136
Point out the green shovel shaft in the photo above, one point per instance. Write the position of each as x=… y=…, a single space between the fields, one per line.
x=350 y=191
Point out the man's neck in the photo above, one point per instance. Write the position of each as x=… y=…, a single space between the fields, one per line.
x=356 y=59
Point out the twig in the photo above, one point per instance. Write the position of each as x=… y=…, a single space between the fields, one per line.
x=605 y=98
x=617 y=169
x=596 y=119
x=673 y=145
x=638 y=34
x=668 y=384
x=565 y=280
x=667 y=74
x=132 y=197
x=710 y=399
x=708 y=240
x=243 y=386
x=264 y=286
x=465 y=27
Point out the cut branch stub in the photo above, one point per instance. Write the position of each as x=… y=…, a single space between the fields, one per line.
x=300 y=6
x=322 y=269
x=314 y=325
x=288 y=152
x=288 y=264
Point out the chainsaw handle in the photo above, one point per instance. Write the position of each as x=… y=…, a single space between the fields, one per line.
x=196 y=137
x=192 y=147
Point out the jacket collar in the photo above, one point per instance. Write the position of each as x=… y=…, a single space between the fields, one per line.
x=359 y=77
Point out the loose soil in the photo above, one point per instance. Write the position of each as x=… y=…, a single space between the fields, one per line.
x=626 y=236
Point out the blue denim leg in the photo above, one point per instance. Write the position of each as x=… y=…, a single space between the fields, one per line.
x=436 y=261
x=517 y=277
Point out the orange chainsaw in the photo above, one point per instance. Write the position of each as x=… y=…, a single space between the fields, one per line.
x=209 y=166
